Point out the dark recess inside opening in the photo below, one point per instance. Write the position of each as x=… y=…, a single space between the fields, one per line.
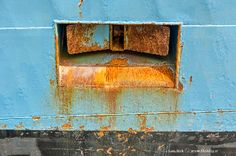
x=118 y=37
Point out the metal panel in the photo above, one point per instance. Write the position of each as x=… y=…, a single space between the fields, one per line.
x=33 y=13
x=29 y=95
x=150 y=39
x=87 y=38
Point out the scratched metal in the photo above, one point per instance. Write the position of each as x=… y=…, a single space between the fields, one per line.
x=30 y=98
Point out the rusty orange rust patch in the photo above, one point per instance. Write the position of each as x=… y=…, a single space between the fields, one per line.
x=143 y=123
x=112 y=76
x=4 y=126
x=36 y=118
x=130 y=130
x=152 y=39
x=80 y=39
x=82 y=127
x=102 y=131
x=52 y=82
x=19 y=126
x=180 y=87
x=118 y=62
x=66 y=126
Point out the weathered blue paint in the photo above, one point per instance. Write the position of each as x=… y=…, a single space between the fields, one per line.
x=27 y=65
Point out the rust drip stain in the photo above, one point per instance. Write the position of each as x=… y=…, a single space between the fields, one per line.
x=80 y=8
x=36 y=118
x=80 y=39
x=81 y=3
x=57 y=55
x=143 y=123
x=112 y=103
x=66 y=126
x=65 y=96
x=190 y=79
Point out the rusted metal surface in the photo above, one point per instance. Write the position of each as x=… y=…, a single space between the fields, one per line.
x=79 y=39
x=111 y=78
x=117 y=76
x=151 y=39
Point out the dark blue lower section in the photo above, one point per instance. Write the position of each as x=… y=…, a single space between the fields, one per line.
x=48 y=143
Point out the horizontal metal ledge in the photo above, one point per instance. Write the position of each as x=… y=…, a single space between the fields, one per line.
x=107 y=115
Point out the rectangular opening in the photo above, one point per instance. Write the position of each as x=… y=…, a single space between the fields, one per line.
x=117 y=37
x=111 y=55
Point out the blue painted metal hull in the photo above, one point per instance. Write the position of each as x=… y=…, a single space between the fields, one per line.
x=28 y=71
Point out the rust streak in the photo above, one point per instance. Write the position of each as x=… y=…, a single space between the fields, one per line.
x=190 y=79
x=57 y=56
x=81 y=3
